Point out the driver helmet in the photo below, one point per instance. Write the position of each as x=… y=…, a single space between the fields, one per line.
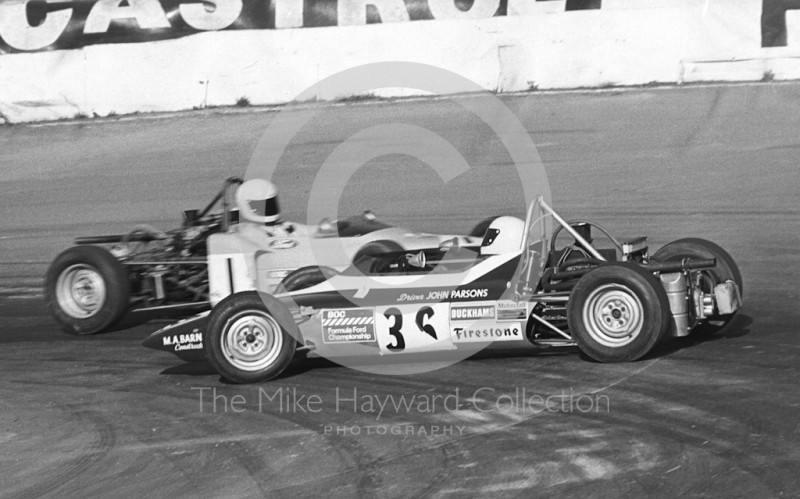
x=504 y=235
x=257 y=200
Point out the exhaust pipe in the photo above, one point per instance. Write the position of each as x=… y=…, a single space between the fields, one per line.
x=677 y=292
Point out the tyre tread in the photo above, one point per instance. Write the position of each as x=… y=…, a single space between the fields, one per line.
x=649 y=290
x=117 y=289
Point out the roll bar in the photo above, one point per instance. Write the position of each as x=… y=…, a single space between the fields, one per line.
x=225 y=194
x=537 y=210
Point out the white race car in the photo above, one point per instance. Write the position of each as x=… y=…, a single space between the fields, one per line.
x=518 y=287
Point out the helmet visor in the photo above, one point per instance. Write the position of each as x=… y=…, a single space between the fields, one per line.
x=265 y=207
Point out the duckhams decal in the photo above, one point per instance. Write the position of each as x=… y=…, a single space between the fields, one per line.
x=472 y=312
x=351 y=325
x=479 y=322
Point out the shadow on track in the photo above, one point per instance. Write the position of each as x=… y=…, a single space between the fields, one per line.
x=301 y=365
x=737 y=328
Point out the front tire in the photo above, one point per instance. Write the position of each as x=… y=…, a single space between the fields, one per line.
x=248 y=338
x=726 y=270
x=86 y=290
x=618 y=312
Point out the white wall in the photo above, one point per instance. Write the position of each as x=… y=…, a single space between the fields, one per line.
x=537 y=45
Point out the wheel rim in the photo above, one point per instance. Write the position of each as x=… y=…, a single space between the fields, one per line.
x=80 y=291
x=251 y=340
x=613 y=315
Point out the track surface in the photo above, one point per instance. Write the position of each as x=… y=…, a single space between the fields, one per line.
x=101 y=416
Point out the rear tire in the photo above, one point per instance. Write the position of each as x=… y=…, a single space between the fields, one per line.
x=86 y=290
x=378 y=248
x=304 y=277
x=618 y=312
x=725 y=270
x=370 y=258
x=248 y=338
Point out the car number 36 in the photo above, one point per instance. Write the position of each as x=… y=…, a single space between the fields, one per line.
x=417 y=327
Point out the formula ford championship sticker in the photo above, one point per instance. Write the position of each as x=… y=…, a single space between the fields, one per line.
x=485 y=332
x=350 y=325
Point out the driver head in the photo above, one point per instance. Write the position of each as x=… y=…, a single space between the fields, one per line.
x=257 y=200
x=504 y=235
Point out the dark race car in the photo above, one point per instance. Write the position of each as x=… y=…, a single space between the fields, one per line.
x=91 y=286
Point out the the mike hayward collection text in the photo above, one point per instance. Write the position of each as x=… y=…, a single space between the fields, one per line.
x=520 y=400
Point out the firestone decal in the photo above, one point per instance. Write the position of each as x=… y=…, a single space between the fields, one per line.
x=486 y=332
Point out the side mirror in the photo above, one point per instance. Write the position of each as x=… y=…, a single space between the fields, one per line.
x=190 y=217
x=326 y=228
x=233 y=216
x=417 y=260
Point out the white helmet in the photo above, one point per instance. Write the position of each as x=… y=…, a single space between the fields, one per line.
x=257 y=200
x=504 y=235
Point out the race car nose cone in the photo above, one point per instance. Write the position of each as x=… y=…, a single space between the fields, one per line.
x=184 y=338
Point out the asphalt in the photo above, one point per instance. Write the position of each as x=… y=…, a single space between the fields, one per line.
x=101 y=416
